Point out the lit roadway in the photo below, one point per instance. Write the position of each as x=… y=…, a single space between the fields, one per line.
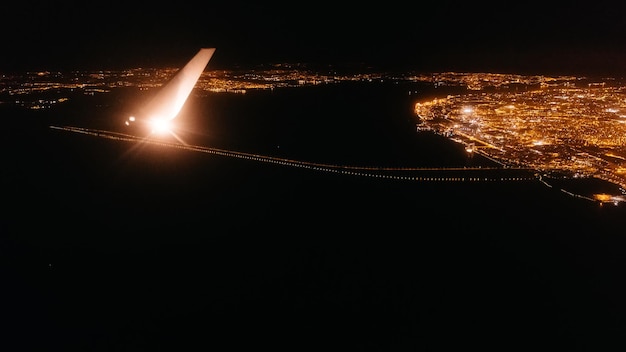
x=445 y=174
x=425 y=174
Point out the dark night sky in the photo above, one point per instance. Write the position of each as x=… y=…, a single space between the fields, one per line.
x=529 y=36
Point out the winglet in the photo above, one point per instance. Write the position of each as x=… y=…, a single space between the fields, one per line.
x=168 y=102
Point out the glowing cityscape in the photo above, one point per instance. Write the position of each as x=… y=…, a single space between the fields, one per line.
x=40 y=90
x=573 y=126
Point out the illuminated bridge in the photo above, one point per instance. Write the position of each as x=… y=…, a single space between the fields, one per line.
x=425 y=174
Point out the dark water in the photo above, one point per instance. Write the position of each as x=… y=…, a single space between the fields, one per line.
x=112 y=246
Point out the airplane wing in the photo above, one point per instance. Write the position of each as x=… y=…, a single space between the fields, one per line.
x=169 y=100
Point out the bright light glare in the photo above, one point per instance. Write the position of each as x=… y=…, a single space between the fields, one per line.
x=167 y=103
x=160 y=126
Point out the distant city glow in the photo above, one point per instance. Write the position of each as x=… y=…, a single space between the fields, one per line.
x=560 y=126
x=553 y=126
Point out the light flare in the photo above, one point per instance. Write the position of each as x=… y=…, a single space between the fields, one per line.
x=169 y=100
x=161 y=126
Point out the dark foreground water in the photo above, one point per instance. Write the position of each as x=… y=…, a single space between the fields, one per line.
x=111 y=245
